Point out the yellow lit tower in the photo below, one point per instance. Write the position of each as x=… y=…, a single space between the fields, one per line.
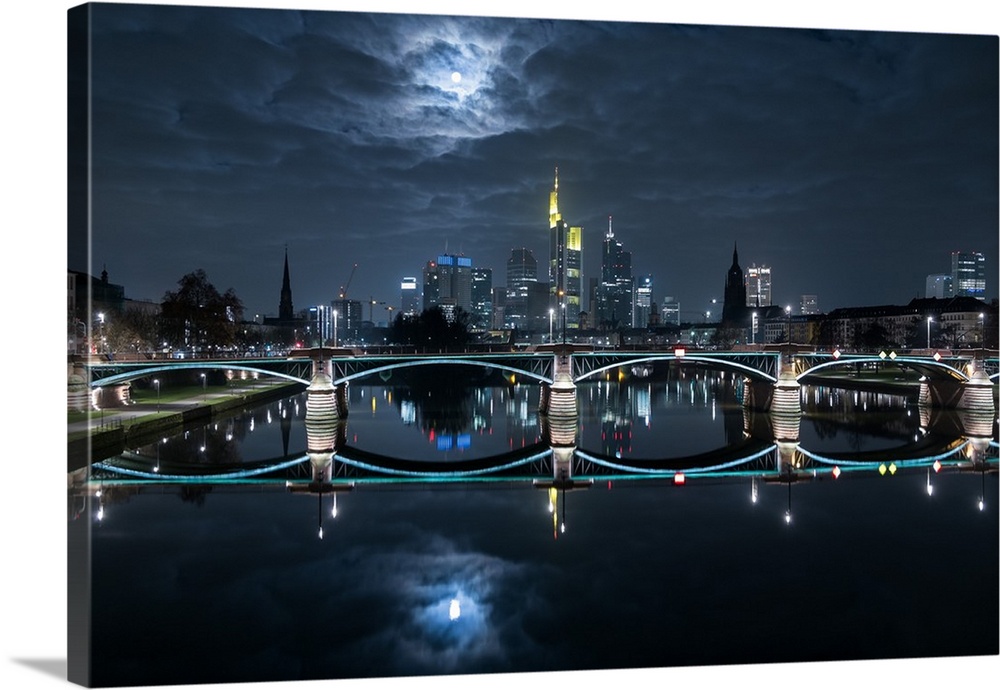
x=565 y=263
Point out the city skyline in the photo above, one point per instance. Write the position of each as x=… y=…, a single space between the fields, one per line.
x=346 y=138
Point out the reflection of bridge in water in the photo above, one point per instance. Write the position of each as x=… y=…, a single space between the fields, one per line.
x=540 y=462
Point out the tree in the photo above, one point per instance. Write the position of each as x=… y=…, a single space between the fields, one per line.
x=432 y=330
x=198 y=316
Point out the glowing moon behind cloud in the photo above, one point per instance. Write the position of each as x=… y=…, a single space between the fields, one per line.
x=456 y=77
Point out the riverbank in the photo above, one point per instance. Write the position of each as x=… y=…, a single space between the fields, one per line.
x=107 y=433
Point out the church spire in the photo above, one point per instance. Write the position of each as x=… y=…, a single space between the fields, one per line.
x=285 y=310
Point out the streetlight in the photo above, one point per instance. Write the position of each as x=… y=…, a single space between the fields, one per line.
x=929 y=319
x=156 y=382
x=551 y=314
x=100 y=317
x=203 y=386
x=753 y=327
x=335 y=328
x=982 y=332
x=788 y=313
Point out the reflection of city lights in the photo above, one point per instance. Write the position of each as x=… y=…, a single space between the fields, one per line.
x=982 y=505
x=788 y=517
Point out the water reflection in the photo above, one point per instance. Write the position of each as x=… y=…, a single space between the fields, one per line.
x=689 y=430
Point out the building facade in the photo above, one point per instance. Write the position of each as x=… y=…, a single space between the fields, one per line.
x=482 y=297
x=644 y=302
x=565 y=263
x=758 y=286
x=968 y=274
x=615 y=298
x=522 y=273
x=409 y=296
x=448 y=283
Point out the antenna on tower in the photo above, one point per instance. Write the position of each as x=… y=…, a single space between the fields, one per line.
x=611 y=232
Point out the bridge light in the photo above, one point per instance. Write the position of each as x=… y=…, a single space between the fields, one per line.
x=679 y=352
x=836 y=354
x=937 y=465
x=881 y=469
x=836 y=471
x=679 y=478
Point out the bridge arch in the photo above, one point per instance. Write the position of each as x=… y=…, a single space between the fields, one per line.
x=928 y=368
x=439 y=360
x=719 y=363
x=145 y=371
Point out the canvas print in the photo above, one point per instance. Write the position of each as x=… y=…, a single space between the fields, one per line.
x=408 y=345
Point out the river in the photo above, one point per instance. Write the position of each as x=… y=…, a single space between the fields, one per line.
x=439 y=541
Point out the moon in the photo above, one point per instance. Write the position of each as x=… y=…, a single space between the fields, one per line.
x=456 y=77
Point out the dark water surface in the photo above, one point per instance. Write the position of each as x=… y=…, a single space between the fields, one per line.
x=228 y=582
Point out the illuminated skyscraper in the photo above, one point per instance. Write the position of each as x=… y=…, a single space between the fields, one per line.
x=409 y=304
x=448 y=283
x=522 y=272
x=482 y=297
x=968 y=274
x=565 y=262
x=758 y=286
x=643 y=301
x=615 y=299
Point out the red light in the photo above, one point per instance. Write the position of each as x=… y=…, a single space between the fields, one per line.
x=609 y=485
x=431 y=436
x=679 y=478
x=836 y=471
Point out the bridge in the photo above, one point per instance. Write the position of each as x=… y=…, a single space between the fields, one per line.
x=771 y=379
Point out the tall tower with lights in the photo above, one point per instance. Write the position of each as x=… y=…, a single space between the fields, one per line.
x=565 y=263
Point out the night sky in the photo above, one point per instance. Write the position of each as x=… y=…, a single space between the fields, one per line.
x=851 y=162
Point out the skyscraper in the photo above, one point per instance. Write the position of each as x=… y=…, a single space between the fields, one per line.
x=448 y=282
x=565 y=263
x=643 y=301
x=615 y=299
x=482 y=297
x=758 y=286
x=409 y=297
x=522 y=271
x=968 y=274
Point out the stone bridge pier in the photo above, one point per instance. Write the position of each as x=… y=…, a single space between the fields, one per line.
x=975 y=395
x=781 y=397
x=558 y=399
x=326 y=398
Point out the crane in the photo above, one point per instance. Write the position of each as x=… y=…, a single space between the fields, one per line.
x=343 y=288
x=371 y=308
